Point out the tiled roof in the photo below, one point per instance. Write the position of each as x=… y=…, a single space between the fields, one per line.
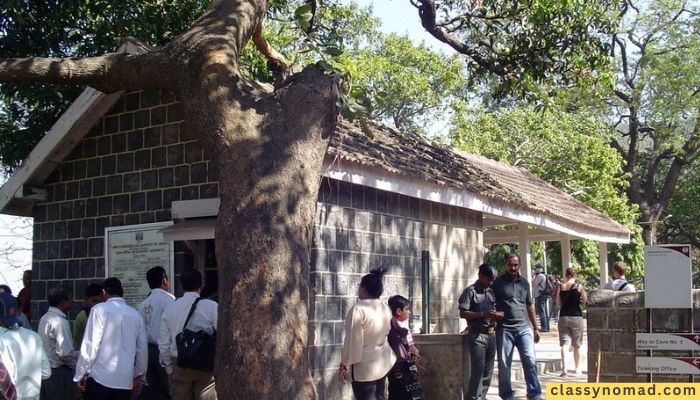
x=494 y=182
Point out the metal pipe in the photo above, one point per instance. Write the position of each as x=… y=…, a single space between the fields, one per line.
x=425 y=282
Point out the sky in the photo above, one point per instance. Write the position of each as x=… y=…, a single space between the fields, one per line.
x=398 y=16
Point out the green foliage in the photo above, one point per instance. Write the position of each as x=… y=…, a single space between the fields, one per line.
x=407 y=83
x=570 y=151
x=497 y=253
x=61 y=28
x=531 y=45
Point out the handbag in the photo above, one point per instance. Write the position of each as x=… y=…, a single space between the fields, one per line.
x=195 y=350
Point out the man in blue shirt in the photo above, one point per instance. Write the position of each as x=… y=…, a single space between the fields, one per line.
x=517 y=329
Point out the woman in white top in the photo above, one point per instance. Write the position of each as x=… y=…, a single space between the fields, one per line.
x=367 y=357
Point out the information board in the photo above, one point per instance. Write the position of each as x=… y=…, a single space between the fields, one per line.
x=668 y=276
x=130 y=251
x=668 y=365
x=668 y=341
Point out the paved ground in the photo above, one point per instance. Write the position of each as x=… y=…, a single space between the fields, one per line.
x=549 y=365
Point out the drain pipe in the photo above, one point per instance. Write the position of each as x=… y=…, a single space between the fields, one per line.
x=425 y=282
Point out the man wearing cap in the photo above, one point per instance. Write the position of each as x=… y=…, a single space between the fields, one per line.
x=113 y=356
x=21 y=351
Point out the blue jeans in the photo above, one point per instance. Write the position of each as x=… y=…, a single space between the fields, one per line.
x=541 y=307
x=507 y=341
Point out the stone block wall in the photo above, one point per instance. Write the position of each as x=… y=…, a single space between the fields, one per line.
x=358 y=228
x=614 y=319
x=128 y=170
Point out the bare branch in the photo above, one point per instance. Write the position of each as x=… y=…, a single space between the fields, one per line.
x=109 y=73
x=275 y=61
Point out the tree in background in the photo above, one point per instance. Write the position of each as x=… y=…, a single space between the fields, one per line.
x=268 y=143
x=655 y=102
x=567 y=149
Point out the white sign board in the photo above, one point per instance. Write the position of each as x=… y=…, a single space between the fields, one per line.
x=668 y=365
x=130 y=251
x=668 y=341
x=668 y=278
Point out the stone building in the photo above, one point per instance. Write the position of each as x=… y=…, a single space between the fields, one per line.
x=126 y=162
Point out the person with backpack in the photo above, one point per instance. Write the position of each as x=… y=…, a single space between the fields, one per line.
x=620 y=283
x=570 y=295
x=542 y=288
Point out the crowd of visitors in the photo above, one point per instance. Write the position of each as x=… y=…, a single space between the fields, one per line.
x=114 y=351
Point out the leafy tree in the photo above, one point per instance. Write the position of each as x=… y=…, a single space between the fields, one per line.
x=655 y=101
x=268 y=144
x=405 y=83
x=680 y=222
x=569 y=150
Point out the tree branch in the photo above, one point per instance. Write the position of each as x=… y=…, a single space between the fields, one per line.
x=109 y=73
x=275 y=61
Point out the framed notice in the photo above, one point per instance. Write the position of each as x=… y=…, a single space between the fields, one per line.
x=668 y=276
x=130 y=251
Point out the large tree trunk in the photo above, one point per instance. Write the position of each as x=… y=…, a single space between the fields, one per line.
x=269 y=147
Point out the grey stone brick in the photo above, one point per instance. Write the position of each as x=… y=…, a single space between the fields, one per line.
x=119 y=142
x=66 y=171
x=138 y=202
x=152 y=136
x=379 y=245
x=89 y=148
x=53 y=249
x=100 y=225
x=198 y=173
x=190 y=193
x=95 y=247
x=74 y=269
x=60 y=230
x=212 y=172
x=39 y=250
x=93 y=167
x=104 y=205
x=85 y=188
x=66 y=210
x=182 y=175
x=45 y=271
x=80 y=248
x=125 y=162
x=117 y=108
x=345 y=194
x=132 y=219
x=134 y=140
x=163 y=215
x=193 y=152
x=59 y=192
x=142 y=119
x=66 y=252
x=358 y=197
x=52 y=212
x=158 y=115
x=121 y=204
x=327 y=335
x=132 y=182
x=142 y=159
x=150 y=98
x=171 y=134
x=341 y=239
x=333 y=308
x=170 y=195
x=342 y=285
x=362 y=220
x=165 y=177
x=87 y=268
x=126 y=122
x=148 y=217
x=149 y=179
x=159 y=158
x=74 y=228
x=327 y=284
x=176 y=154
x=154 y=200
x=88 y=227
x=327 y=238
x=114 y=184
x=104 y=145
x=209 y=190
x=116 y=220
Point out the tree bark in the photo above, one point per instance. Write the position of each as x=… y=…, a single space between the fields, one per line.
x=269 y=146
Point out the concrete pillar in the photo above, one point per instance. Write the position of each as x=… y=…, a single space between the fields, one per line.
x=565 y=253
x=603 y=262
x=524 y=251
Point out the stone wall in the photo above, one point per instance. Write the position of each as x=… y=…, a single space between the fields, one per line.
x=128 y=170
x=359 y=228
x=614 y=319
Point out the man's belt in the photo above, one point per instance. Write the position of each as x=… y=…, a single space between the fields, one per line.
x=485 y=329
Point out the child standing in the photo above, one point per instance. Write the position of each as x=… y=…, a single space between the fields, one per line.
x=403 y=377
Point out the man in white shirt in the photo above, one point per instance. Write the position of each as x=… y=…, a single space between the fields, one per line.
x=55 y=332
x=113 y=355
x=185 y=383
x=21 y=351
x=152 y=311
x=620 y=283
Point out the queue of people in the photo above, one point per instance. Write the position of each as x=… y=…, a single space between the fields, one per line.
x=114 y=351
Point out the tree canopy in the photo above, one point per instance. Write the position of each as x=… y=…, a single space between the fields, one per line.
x=268 y=142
